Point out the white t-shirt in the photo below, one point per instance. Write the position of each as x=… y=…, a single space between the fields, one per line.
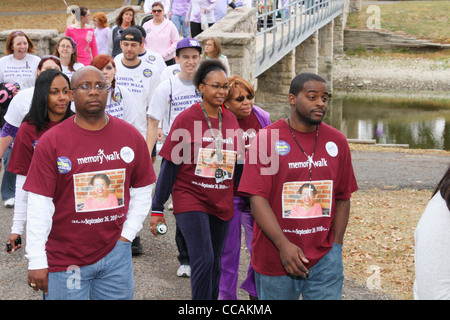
x=21 y=73
x=151 y=57
x=172 y=97
x=142 y=81
x=122 y=108
x=170 y=71
x=19 y=107
x=67 y=72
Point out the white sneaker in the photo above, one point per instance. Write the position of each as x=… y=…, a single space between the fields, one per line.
x=184 y=271
x=9 y=203
x=170 y=206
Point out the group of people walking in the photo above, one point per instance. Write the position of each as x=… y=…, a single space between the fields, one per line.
x=82 y=140
x=89 y=140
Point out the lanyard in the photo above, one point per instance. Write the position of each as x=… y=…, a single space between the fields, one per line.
x=218 y=141
x=310 y=158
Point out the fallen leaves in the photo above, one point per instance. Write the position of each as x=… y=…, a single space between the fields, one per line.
x=380 y=236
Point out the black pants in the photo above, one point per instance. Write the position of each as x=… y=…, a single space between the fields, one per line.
x=196 y=28
x=183 y=255
x=170 y=62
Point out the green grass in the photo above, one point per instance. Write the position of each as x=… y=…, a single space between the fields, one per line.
x=422 y=19
x=56 y=5
x=56 y=21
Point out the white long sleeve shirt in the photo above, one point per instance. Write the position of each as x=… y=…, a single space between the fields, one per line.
x=432 y=252
x=40 y=214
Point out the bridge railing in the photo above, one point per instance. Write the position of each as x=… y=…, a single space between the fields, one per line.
x=280 y=30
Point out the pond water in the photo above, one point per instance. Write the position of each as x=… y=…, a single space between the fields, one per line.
x=421 y=123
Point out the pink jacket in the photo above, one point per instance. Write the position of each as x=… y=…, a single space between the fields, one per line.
x=163 y=40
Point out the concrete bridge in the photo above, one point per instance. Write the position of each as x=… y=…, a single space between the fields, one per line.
x=269 y=49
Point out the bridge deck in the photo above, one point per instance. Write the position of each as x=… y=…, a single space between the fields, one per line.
x=277 y=36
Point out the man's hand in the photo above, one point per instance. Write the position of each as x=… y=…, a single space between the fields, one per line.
x=291 y=256
x=38 y=279
x=293 y=259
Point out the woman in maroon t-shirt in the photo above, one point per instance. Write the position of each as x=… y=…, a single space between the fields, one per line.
x=202 y=203
x=50 y=106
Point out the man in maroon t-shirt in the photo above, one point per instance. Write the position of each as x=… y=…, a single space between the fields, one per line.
x=76 y=252
x=299 y=254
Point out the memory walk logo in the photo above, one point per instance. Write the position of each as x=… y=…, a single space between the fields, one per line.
x=308 y=163
x=99 y=157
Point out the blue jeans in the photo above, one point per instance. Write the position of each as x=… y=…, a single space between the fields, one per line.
x=324 y=282
x=110 y=278
x=180 y=23
x=8 y=187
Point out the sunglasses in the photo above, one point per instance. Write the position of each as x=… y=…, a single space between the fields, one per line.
x=156 y=11
x=242 y=98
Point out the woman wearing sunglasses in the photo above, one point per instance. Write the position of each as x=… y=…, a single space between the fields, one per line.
x=250 y=118
x=162 y=35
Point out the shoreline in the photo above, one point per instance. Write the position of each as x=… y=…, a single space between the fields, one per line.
x=420 y=75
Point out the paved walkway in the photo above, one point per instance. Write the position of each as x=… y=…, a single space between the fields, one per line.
x=155 y=270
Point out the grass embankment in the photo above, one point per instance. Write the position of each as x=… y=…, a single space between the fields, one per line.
x=422 y=19
x=56 y=20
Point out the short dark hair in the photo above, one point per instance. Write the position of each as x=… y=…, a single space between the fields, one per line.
x=44 y=59
x=205 y=67
x=38 y=113
x=79 y=12
x=100 y=176
x=158 y=3
x=300 y=79
x=141 y=29
x=309 y=186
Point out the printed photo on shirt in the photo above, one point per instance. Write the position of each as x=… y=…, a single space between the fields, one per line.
x=209 y=166
x=100 y=190
x=303 y=200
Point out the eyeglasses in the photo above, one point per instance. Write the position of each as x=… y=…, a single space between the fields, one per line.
x=99 y=87
x=156 y=11
x=68 y=46
x=225 y=87
x=242 y=98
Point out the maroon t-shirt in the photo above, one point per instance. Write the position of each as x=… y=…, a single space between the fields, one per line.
x=276 y=169
x=250 y=126
x=23 y=147
x=65 y=161
x=191 y=146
